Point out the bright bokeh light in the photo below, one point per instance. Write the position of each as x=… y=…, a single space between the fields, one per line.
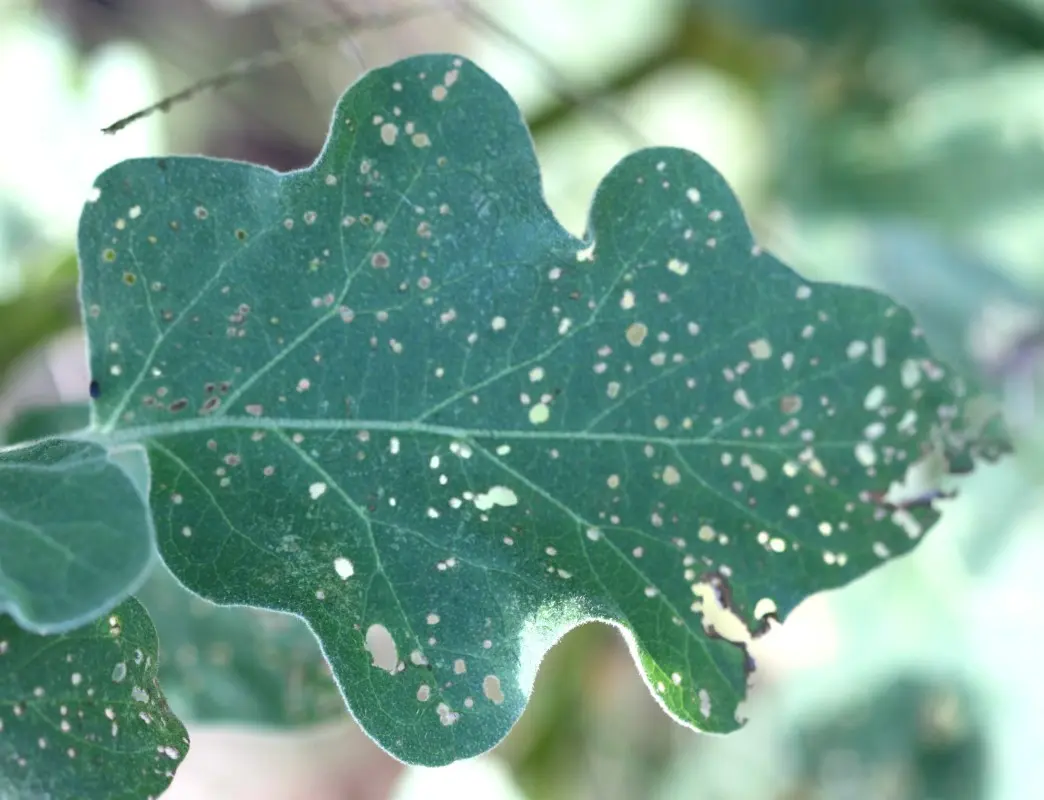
x=53 y=145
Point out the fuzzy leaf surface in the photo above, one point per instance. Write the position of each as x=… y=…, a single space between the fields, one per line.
x=391 y=394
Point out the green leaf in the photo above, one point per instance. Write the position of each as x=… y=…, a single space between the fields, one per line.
x=76 y=536
x=244 y=665
x=82 y=714
x=390 y=394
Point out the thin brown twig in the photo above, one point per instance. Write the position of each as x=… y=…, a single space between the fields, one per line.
x=327 y=33
x=322 y=34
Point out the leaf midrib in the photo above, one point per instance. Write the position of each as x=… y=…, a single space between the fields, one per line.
x=147 y=433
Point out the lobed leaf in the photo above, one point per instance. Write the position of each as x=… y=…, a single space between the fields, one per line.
x=391 y=394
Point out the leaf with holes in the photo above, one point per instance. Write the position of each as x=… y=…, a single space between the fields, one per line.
x=389 y=393
x=243 y=665
x=82 y=713
x=76 y=536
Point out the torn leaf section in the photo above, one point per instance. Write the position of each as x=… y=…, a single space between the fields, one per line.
x=977 y=317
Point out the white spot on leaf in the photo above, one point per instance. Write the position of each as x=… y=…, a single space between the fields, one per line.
x=496 y=496
x=491 y=689
x=636 y=333
x=678 y=267
x=539 y=414
x=344 y=568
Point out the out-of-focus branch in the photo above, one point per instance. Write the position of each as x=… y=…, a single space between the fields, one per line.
x=317 y=35
x=697 y=38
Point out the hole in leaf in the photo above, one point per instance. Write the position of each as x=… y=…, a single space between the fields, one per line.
x=381 y=646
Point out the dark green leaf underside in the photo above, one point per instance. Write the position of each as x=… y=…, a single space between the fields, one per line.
x=82 y=715
x=391 y=394
x=76 y=535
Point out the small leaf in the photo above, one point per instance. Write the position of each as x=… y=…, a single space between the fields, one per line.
x=82 y=713
x=391 y=394
x=243 y=665
x=75 y=534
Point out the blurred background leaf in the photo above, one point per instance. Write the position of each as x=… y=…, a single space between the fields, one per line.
x=237 y=665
